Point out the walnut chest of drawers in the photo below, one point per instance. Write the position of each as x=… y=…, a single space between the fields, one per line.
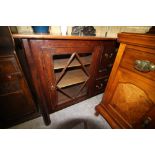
x=129 y=100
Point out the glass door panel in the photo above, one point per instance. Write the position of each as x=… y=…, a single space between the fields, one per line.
x=72 y=74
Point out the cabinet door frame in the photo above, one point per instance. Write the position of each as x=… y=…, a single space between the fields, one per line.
x=137 y=83
x=47 y=62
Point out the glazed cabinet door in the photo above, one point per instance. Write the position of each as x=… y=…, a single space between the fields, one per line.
x=68 y=71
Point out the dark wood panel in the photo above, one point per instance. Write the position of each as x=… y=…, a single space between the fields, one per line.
x=6 y=41
x=8 y=65
x=16 y=101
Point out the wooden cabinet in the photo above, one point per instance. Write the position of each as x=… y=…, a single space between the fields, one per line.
x=129 y=99
x=68 y=72
x=16 y=102
x=67 y=69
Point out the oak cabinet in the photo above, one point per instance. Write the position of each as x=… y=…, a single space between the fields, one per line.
x=129 y=100
x=68 y=72
x=67 y=69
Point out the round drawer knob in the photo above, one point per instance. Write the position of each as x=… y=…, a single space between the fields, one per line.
x=99 y=86
x=106 y=55
x=9 y=77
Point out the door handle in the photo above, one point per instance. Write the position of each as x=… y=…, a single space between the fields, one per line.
x=144 y=66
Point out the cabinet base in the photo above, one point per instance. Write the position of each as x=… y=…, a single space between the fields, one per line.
x=101 y=109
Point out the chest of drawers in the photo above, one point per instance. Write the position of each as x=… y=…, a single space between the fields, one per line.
x=129 y=100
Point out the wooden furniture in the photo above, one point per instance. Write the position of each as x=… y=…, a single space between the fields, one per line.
x=67 y=69
x=152 y=30
x=16 y=102
x=129 y=99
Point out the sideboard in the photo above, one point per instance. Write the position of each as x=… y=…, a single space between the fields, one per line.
x=64 y=70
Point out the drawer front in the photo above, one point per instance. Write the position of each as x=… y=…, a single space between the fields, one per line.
x=9 y=75
x=106 y=60
x=8 y=65
x=9 y=86
x=131 y=55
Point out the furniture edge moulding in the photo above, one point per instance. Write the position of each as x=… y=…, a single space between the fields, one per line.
x=144 y=40
x=48 y=36
x=36 y=81
x=100 y=108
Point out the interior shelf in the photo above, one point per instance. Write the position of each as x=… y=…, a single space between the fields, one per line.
x=72 y=77
x=61 y=63
x=72 y=91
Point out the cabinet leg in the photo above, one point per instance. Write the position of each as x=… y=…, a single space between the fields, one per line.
x=96 y=113
x=47 y=120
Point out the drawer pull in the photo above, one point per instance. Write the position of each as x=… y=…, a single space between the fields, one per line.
x=99 y=86
x=9 y=77
x=144 y=65
x=105 y=80
x=52 y=87
x=106 y=55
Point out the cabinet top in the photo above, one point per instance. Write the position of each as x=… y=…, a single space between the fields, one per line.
x=146 y=40
x=49 y=36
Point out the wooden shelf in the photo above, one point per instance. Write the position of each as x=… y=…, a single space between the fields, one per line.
x=72 y=77
x=72 y=91
x=61 y=63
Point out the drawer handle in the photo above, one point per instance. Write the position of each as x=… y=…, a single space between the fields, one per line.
x=144 y=66
x=99 y=86
x=9 y=77
x=106 y=55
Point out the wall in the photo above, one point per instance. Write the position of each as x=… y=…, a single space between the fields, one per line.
x=101 y=31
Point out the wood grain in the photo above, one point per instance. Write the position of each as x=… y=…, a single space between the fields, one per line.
x=48 y=36
x=41 y=51
x=72 y=77
x=129 y=99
